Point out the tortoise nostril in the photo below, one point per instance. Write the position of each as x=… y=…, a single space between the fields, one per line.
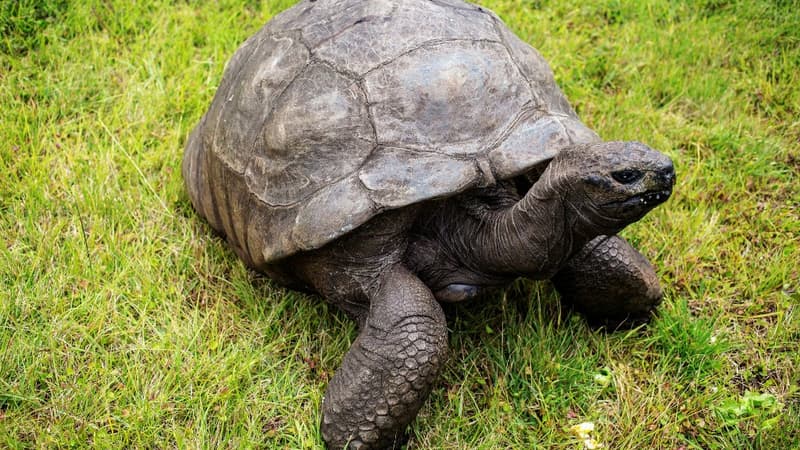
x=668 y=175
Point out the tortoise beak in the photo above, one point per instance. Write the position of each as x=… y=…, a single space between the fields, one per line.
x=665 y=178
x=660 y=183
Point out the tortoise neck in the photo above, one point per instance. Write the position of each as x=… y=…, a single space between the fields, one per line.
x=538 y=234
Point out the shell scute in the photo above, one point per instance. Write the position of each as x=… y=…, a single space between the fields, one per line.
x=332 y=212
x=369 y=34
x=397 y=177
x=259 y=78
x=536 y=138
x=318 y=133
x=537 y=72
x=455 y=97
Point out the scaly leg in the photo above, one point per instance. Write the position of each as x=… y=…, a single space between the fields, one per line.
x=610 y=282
x=389 y=370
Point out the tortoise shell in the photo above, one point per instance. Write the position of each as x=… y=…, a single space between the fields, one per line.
x=338 y=110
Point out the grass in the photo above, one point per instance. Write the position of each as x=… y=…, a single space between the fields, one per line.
x=125 y=324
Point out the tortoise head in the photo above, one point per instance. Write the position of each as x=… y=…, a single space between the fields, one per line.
x=612 y=184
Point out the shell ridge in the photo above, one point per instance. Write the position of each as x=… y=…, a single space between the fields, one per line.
x=268 y=116
x=359 y=21
x=327 y=20
x=420 y=179
x=497 y=23
x=229 y=222
x=252 y=145
x=534 y=124
x=427 y=44
x=484 y=166
x=227 y=98
x=429 y=150
x=563 y=128
x=212 y=193
x=467 y=7
x=354 y=77
x=314 y=192
x=372 y=208
x=527 y=110
x=299 y=38
x=361 y=83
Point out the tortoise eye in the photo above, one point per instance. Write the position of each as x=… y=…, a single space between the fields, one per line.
x=627 y=176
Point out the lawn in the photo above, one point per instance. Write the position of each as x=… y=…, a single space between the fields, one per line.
x=124 y=323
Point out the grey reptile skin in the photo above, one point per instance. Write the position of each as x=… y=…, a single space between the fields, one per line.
x=390 y=155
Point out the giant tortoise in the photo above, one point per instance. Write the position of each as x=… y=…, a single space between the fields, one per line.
x=390 y=155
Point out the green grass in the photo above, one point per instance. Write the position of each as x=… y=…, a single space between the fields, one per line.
x=125 y=324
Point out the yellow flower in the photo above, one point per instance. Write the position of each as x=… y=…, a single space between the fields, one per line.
x=584 y=431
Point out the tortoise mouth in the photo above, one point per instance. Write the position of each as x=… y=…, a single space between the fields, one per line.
x=641 y=202
x=652 y=198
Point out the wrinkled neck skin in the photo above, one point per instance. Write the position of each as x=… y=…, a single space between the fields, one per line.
x=491 y=236
x=533 y=238
x=536 y=236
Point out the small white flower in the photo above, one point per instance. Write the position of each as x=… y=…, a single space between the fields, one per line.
x=591 y=444
x=583 y=430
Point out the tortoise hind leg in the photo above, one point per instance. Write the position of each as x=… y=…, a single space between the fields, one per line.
x=389 y=370
x=611 y=283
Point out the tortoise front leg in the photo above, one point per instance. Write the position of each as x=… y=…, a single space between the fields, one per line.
x=388 y=372
x=610 y=282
